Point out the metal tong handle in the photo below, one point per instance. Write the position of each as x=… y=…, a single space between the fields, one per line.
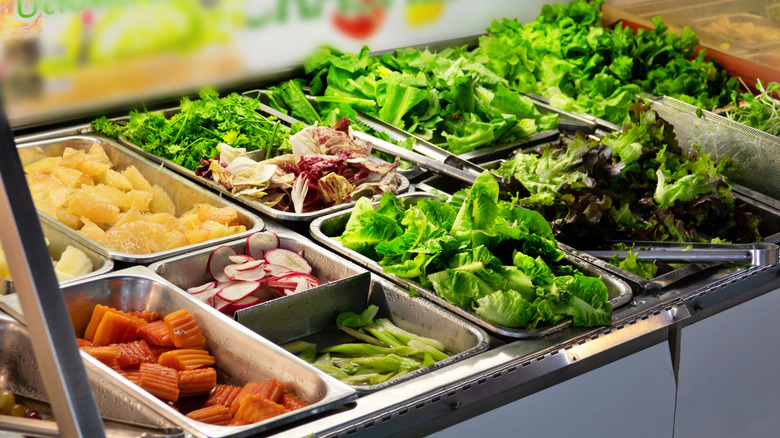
x=392 y=149
x=422 y=146
x=414 y=157
x=755 y=257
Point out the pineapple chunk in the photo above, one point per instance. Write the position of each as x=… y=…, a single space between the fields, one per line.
x=43 y=166
x=136 y=179
x=73 y=263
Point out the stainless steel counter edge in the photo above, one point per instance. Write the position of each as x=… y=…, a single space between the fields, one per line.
x=523 y=367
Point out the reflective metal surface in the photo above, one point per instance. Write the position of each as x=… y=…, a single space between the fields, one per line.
x=184 y=193
x=20 y=374
x=241 y=355
x=312 y=317
x=59 y=239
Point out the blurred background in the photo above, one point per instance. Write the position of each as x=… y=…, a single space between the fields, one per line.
x=60 y=58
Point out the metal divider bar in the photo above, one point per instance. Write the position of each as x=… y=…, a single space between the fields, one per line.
x=52 y=336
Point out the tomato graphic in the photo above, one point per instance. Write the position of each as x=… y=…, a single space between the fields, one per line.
x=361 y=20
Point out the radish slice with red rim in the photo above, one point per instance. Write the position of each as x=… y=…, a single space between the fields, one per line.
x=203 y=287
x=277 y=270
x=258 y=243
x=218 y=259
x=241 y=258
x=238 y=290
x=244 y=303
x=288 y=259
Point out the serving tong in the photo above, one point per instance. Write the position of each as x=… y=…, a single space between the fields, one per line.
x=754 y=254
x=467 y=172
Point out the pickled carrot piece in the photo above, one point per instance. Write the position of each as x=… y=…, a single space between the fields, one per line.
x=270 y=389
x=196 y=382
x=184 y=331
x=156 y=333
x=223 y=395
x=254 y=408
x=158 y=380
x=215 y=414
x=157 y=351
x=106 y=354
x=115 y=328
x=292 y=402
x=97 y=316
x=129 y=374
x=186 y=359
x=133 y=354
x=84 y=343
x=145 y=315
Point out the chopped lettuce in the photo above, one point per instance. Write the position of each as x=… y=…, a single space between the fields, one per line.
x=481 y=254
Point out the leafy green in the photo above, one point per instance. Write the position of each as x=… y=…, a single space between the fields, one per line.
x=568 y=56
x=201 y=125
x=759 y=111
x=386 y=351
x=482 y=254
x=637 y=184
x=300 y=108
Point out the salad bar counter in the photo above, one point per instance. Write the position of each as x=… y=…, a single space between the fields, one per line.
x=397 y=244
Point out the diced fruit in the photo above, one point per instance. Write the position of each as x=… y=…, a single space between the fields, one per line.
x=137 y=237
x=140 y=199
x=116 y=179
x=90 y=230
x=69 y=219
x=72 y=178
x=224 y=215
x=97 y=153
x=161 y=202
x=43 y=166
x=73 y=263
x=137 y=179
x=72 y=158
x=93 y=168
x=97 y=211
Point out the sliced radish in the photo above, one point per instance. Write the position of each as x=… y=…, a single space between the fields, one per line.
x=218 y=259
x=266 y=293
x=277 y=270
x=220 y=304
x=243 y=304
x=207 y=295
x=282 y=284
x=248 y=266
x=238 y=290
x=288 y=259
x=302 y=281
x=257 y=274
x=258 y=243
x=241 y=258
x=202 y=287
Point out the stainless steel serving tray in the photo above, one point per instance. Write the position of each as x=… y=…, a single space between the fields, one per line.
x=324 y=228
x=59 y=239
x=241 y=355
x=183 y=192
x=312 y=317
x=403 y=184
x=188 y=270
x=19 y=373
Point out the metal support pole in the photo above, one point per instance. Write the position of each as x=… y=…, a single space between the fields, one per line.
x=53 y=339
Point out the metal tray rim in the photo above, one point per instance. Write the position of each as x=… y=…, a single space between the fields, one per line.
x=338 y=393
x=625 y=292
